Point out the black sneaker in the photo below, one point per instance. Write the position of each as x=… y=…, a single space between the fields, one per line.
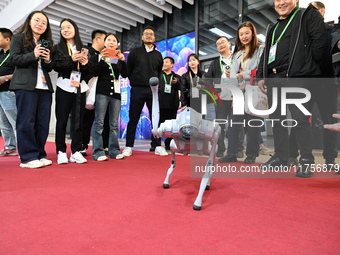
x=274 y=161
x=304 y=170
x=331 y=164
x=152 y=149
x=250 y=160
x=228 y=159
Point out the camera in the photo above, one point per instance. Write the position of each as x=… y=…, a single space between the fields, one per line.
x=45 y=43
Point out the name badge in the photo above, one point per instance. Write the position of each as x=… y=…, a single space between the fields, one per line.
x=167 y=88
x=272 y=53
x=117 y=86
x=195 y=92
x=75 y=78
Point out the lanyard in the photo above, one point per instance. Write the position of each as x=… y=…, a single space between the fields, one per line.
x=113 y=73
x=243 y=63
x=284 y=30
x=5 y=59
x=192 y=83
x=70 y=53
x=221 y=65
x=165 y=78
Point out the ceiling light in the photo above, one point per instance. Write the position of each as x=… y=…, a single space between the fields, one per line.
x=202 y=53
x=219 y=32
x=54 y=22
x=160 y=2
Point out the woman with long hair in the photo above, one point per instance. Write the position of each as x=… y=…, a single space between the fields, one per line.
x=108 y=98
x=71 y=62
x=246 y=57
x=191 y=82
x=31 y=55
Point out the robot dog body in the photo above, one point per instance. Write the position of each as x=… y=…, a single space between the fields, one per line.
x=191 y=135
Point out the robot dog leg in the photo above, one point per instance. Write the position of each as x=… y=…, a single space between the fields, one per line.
x=205 y=182
x=173 y=149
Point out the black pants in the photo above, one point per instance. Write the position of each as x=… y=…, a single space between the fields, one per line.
x=326 y=101
x=222 y=112
x=138 y=97
x=303 y=129
x=66 y=104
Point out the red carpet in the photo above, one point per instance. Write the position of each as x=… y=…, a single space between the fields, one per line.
x=120 y=207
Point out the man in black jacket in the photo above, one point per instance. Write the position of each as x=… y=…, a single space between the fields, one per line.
x=168 y=94
x=294 y=49
x=219 y=73
x=326 y=101
x=143 y=63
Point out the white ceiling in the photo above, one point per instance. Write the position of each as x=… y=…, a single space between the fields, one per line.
x=109 y=15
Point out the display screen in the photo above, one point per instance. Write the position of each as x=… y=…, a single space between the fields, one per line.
x=179 y=48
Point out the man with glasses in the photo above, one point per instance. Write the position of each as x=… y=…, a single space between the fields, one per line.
x=143 y=63
x=294 y=49
x=219 y=73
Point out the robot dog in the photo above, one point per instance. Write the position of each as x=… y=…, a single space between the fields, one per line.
x=191 y=134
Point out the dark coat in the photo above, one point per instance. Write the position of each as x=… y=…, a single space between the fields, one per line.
x=26 y=66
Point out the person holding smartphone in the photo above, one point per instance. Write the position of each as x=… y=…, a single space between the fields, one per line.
x=33 y=89
x=74 y=71
x=107 y=99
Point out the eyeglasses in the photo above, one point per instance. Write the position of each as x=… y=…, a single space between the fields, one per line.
x=221 y=42
x=41 y=22
x=151 y=34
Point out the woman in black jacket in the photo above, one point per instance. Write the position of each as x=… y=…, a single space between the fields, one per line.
x=190 y=94
x=108 y=98
x=31 y=55
x=71 y=62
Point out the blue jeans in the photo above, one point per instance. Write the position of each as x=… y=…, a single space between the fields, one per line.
x=33 y=120
x=104 y=103
x=8 y=115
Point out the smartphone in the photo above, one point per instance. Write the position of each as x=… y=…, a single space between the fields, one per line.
x=45 y=43
x=84 y=51
x=112 y=53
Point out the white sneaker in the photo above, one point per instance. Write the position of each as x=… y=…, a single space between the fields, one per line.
x=77 y=158
x=32 y=164
x=120 y=156
x=127 y=152
x=161 y=151
x=102 y=158
x=46 y=161
x=62 y=158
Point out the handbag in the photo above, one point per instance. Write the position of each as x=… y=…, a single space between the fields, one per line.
x=91 y=93
x=254 y=95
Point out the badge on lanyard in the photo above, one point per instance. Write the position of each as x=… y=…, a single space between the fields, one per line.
x=117 y=86
x=272 y=53
x=167 y=88
x=75 y=78
x=195 y=92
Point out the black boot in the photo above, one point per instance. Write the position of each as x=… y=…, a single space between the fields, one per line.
x=305 y=168
x=331 y=164
x=228 y=159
